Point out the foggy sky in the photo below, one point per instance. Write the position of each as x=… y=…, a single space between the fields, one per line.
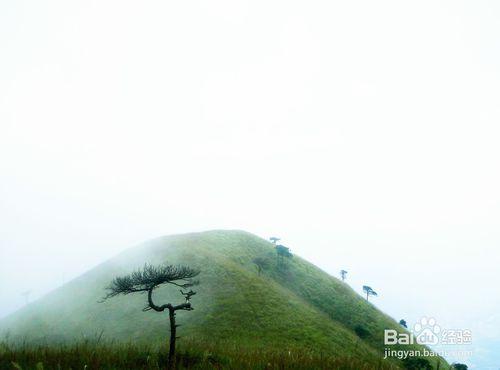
x=365 y=134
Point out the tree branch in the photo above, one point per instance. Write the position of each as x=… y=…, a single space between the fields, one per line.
x=151 y=303
x=149 y=278
x=184 y=306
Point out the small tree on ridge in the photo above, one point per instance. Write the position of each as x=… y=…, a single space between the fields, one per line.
x=274 y=239
x=282 y=252
x=369 y=291
x=343 y=274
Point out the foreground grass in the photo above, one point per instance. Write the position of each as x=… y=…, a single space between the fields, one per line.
x=189 y=356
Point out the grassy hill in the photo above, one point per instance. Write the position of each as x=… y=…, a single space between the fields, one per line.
x=296 y=309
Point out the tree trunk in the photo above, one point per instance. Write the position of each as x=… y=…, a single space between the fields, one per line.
x=173 y=329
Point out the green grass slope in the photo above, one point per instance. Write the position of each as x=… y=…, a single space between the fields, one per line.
x=297 y=308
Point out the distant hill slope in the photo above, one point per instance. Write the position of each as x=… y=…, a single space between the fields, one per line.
x=299 y=306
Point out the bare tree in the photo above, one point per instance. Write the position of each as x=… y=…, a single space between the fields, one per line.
x=261 y=264
x=369 y=291
x=343 y=274
x=150 y=277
